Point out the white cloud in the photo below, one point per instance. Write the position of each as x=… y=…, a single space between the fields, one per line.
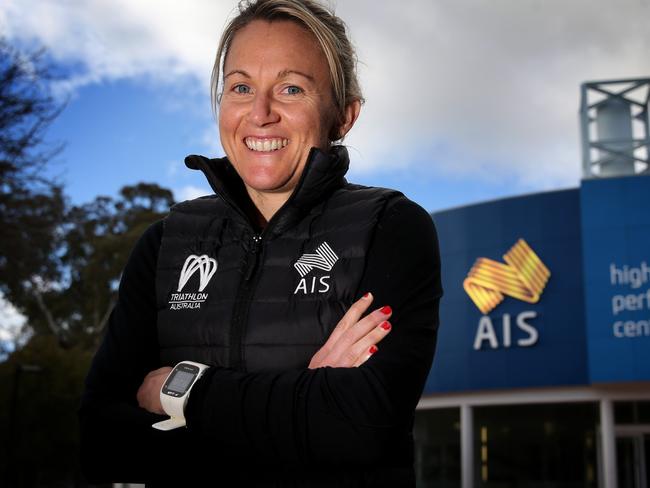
x=190 y=192
x=114 y=39
x=489 y=87
x=11 y=321
x=482 y=87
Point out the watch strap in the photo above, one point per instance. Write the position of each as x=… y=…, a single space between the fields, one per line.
x=170 y=424
x=175 y=406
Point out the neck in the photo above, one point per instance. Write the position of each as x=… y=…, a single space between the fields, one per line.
x=267 y=204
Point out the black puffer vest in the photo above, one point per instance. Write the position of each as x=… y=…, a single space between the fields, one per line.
x=229 y=295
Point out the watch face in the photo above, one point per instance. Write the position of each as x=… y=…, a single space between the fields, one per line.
x=180 y=380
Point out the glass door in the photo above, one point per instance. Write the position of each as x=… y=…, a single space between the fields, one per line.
x=633 y=459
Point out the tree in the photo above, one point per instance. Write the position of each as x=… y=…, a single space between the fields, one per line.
x=38 y=423
x=93 y=244
x=97 y=241
x=31 y=205
x=59 y=266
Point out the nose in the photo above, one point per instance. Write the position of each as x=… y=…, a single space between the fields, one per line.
x=262 y=111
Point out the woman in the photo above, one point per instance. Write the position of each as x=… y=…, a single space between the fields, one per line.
x=261 y=283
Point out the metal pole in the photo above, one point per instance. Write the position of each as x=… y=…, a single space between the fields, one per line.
x=584 y=132
x=608 y=442
x=467 y=446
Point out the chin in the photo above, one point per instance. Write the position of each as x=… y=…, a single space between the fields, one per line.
x=266 y=183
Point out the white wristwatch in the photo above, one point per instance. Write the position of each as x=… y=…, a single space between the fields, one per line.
x=175 y=392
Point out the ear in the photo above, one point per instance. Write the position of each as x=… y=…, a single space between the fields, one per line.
x=350 y=116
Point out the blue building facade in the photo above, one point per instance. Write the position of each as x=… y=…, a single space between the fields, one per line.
x=545 y=317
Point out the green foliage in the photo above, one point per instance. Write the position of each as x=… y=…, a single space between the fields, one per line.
x=31 y=206
x=72 y=293
x=40 y=438
x=59 y=265
x=40 y=435
x=97 y=241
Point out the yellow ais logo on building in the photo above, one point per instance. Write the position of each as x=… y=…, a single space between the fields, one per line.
x=523 y=276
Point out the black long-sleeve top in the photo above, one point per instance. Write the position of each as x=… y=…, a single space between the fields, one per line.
x=321 y=427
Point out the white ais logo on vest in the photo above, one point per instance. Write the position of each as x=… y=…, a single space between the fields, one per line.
x=206 y=267
x=324 y=259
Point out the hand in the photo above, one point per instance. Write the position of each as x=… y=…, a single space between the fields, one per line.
x=149 y=392
x=354 y=340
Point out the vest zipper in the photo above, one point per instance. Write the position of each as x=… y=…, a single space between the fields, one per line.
x=244 y=294
x=249 y=284
x=256 y=246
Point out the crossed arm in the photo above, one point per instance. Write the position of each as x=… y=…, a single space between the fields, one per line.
x=320 y=416
x=352 y=342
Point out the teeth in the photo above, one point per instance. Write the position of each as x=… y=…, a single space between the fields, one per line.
x=265 y=144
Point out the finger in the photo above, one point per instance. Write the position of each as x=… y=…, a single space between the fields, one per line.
x=362 y=327
x=372 y=338
x=351 y=317
x=367 y=355
x=149 y=390
x=350 y=356
x=148 y=394
x=143 y=394
x=160 y=371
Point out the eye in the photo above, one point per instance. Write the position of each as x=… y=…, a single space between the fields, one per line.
x=241 y=89
x=293 y=90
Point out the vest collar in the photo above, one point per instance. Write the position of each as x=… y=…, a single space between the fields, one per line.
x=323 y=173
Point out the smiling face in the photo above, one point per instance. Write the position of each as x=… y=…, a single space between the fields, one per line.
x=276 y=105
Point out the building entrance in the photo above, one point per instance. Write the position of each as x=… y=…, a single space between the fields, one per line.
x=633 y=457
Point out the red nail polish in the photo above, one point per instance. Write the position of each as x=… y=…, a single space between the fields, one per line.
x=386 y=310
x=385 y=326
x=372 y=350
x=366 y=295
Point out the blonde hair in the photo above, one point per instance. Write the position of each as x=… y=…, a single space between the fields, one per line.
x=328 y=29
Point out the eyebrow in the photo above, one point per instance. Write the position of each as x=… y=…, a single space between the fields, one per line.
x=287 y=72
x=282 y=74
x=237 y=72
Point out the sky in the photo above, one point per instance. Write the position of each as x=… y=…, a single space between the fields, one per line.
x=466 y=100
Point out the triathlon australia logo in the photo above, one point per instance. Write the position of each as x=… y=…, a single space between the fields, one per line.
x=203 y=264
x=206 y=267
x=324 y=259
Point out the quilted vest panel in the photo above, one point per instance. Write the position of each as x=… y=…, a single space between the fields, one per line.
x=227 y=298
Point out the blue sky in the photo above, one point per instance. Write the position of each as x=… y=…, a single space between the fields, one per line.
x=122 y=132
x=125 y=131
x=466 y=100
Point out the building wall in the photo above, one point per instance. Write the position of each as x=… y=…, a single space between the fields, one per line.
x=541 y=375
x=588 y=322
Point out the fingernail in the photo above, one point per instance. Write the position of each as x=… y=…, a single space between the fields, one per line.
x=367 y=295
x=372 y=350
x=385 y=325
x=386 y=310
